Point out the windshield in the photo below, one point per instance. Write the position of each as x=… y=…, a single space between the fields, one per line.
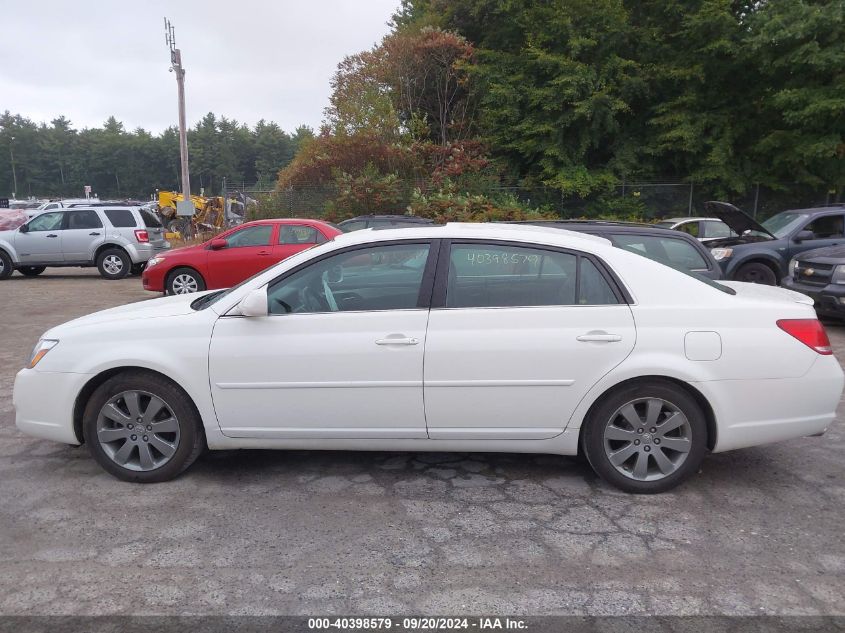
x=782 y=224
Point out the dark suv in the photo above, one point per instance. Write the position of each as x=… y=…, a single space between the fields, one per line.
x=820 y=274
x=760 y=253
x=670 y=247
x=382 y=222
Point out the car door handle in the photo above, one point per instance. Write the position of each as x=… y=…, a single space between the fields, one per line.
x=52 y=235
x=94 y=233
x=599 y=337
x=263 y=252
x=408 y=340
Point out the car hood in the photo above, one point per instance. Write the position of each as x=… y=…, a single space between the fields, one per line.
x=827 y=255
x=148 y=309
x=183 y=249
x=738 y=221
x=6 y=236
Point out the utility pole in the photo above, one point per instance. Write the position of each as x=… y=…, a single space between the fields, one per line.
x=176 y=66
x=14 y=173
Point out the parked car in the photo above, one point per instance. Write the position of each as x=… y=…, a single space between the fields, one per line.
x=761 y=252
x=55 y=205
x=704 y=229
x=820 y=274
x=382 y=222
x=117 y=240
x=673 y=248
x=233 y=255
x=587 y=347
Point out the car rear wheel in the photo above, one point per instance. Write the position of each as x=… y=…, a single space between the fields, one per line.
x=5 y=265
x=183 y=281
x=140 y=427
x=756 y=273
x=646 y=438
x=31 y=271
x=114 y=263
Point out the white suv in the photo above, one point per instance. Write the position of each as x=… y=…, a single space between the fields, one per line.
x=117 y=240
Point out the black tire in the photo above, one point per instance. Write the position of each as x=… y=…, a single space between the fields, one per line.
x=191 y=438
x=31 y=271
x=176 y=280
x=6 y=269
x=107 y=263
x=756 y=273
x=137 y=269
x=601 y=417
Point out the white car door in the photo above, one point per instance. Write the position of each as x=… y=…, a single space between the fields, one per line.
x=340 y=354
x=516 y=337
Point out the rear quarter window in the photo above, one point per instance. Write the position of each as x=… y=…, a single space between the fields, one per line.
x=121 y=218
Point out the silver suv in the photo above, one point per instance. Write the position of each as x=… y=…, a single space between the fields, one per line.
x=117 y=240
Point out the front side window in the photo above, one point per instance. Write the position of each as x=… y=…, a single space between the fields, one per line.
x=120 y=218
x=83 y=220
x=492 y=276
x=366 y=279
x=826 y=227
x=47 y=222
x=677 y=253
x=690 y=228
x=298 y=234
x=250 y=236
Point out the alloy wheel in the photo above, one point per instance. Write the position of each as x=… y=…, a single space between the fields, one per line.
x=138 y=430
x=113 y=265
x=184 y=284
x=647 y=439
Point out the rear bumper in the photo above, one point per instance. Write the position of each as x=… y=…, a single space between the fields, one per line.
x=140 y=253
x=49 y=418
x=828 y=300
x=753 y=412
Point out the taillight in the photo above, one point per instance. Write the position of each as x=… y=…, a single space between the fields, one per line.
x=808 y=331
x=141 y=235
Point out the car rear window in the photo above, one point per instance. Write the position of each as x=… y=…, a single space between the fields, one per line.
x=674 y=252
x=150 y=221
x=121 y=218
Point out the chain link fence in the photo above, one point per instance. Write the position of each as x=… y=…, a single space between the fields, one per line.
x=644 y=200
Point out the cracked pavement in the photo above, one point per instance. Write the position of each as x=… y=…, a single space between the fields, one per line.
x=757 y=531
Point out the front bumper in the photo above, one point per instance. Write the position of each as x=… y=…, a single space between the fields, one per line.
x=828 y=300
x=153 y=278
x=50 y=417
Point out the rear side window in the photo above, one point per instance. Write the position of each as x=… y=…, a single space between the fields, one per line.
x=121 y=218
x=150 y=221
x=677 y=253
x=488 y=276
x=298 y=234
x=690 y=228
x=83 y=220
x=716 y=229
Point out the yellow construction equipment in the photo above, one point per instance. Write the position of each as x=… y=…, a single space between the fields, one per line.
x=209 y=213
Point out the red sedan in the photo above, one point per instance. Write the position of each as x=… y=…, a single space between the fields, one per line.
x=233 y=256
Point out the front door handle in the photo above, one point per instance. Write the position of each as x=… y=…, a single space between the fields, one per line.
x=94 y=233
x=399 y=340
x=52 y=235
x=263 y=252
x=599 y=337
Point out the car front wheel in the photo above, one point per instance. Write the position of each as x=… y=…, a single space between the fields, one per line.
x=647 y=437
x=140 y=427
x=6 y=268
x=757 y=273
x=183 y=281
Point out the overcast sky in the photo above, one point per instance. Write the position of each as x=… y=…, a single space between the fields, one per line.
x=245 y=59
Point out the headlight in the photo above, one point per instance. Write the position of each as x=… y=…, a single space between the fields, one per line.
x=721 y=253
x=792 y=264
x=154 y=260
x=838 y=276
x=40 y=350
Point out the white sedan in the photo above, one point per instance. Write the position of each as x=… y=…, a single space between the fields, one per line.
x=452 y=338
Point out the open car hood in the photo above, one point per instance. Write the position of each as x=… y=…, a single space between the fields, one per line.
x=737 y=220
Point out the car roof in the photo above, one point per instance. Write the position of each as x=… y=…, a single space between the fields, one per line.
x=387 y=216
x=690 y=218
x=816 y=210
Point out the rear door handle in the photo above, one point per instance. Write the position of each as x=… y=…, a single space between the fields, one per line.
x=52 y=235
x=599 y=337
x=94 y=233
x=408 y=340
x=263 y=252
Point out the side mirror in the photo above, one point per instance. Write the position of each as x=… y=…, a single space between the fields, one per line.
x=218 y=242
x=24 y=228
x=803 y=236
x=255 y=303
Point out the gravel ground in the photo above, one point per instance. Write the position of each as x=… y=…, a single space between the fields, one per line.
x=758 y=531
